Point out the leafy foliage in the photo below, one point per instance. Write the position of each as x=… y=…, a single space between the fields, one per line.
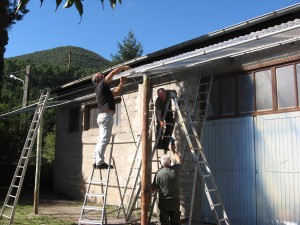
x=129 y=49
x=68 y=4
x=8 y=17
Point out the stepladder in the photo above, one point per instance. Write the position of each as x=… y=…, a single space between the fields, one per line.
x=94 y=209
x=12 y=197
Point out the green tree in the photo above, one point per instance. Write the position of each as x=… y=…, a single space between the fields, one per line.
x=49 y=147
x=129 y=49
x=8 y=17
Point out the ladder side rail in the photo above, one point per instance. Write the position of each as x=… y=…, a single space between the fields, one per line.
x=130 y=203
x=134 y=162
x=193 y=197
x=207 y=104
x=40 y=110
x=194 y=131
x=157 y=136
x=208 y=94
x=119 y=189
x=199 y=169
x=154 y=196
x=193 y=115
x=107 y=182
x=26 y=151
x=86 y=196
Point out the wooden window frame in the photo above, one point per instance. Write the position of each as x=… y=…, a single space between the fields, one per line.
x=275 y=108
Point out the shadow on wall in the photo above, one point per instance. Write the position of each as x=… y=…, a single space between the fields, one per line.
x=68 y=180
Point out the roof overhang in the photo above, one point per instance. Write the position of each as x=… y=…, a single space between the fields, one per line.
x=253 y=42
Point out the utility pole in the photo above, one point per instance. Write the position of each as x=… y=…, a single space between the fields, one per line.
x=25 y=86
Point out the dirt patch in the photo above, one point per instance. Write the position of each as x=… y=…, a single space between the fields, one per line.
x=58 y=208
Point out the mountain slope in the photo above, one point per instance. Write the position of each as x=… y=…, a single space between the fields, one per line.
x=80 y=58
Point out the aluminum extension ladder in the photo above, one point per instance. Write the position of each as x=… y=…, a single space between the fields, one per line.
x=199 y=116
x=93 y=212
x=12 y=197
x=134 y=181
x=201 y=163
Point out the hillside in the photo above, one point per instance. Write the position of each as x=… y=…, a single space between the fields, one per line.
x=80 y=58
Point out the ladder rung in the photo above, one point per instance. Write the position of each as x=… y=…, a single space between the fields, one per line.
x=93 y=208
x=223 y=219
x=9 y=206
x=90 y=222
x=170 y=124
x=217 y=204
x=211 y=190
x=97 y=182
x=207 y=175
x=95 y=195
x=15 y=186
x=6 y=216
x=13 y=196
x=18 y=176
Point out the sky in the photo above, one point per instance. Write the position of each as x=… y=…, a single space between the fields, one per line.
x=156 y=24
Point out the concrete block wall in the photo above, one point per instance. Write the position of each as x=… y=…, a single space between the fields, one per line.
x=75 y=151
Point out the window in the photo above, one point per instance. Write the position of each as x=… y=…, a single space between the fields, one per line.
x=117 y=115
x=246 y=93
x=298 y=81
x=285 y=82
x=93 y=114
x=263 y=89
x=276 y=89
x=74 y=119
x=214 y=107
x=92 y=111
x=227 y=92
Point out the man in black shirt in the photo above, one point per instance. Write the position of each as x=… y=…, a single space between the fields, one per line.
x=106 y=105
x=160 y=105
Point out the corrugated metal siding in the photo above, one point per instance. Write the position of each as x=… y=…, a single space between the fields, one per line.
x=278 y=168
x=229 y=146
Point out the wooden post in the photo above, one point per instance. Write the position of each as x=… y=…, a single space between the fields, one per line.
x=38 y=170
x=25 y=86
x=146 y=150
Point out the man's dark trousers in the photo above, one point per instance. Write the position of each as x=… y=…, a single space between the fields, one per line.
x=164 y=142
x=169 y=213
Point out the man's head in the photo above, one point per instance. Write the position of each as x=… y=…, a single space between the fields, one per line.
x=165 y=160
x=161 y=93
x=97 y=78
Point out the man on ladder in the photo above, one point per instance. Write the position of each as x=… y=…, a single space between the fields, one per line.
x=160 y=106
x=167 y=182
x=106 y=105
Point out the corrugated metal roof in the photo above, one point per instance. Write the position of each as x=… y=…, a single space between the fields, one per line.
x=255 y=41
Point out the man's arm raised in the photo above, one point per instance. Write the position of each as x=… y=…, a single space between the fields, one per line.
x=108 y=78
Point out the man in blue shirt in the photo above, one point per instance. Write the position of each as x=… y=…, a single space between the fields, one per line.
x=106 y=104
